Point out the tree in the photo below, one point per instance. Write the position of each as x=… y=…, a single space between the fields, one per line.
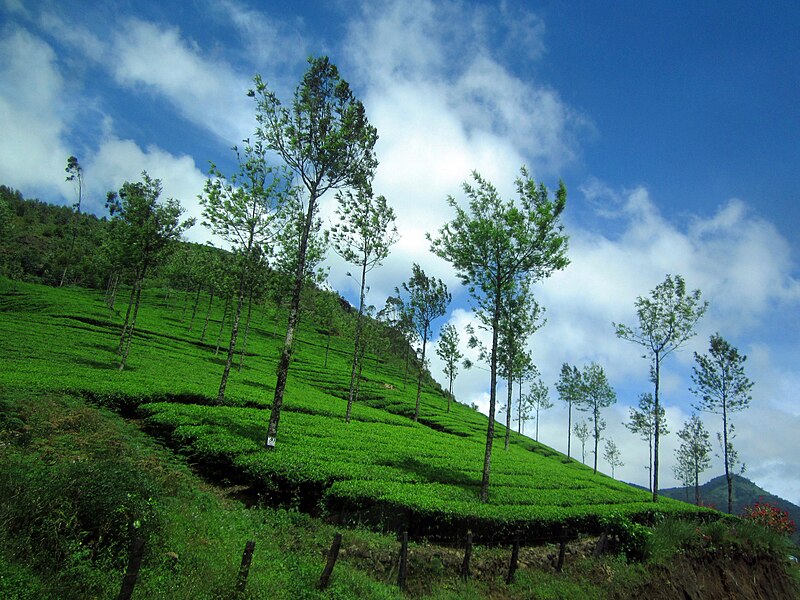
x=145 y=233
x=597 y=394
x=613 y=456
x=494 y=245
x=520 y=319
x=427 y=300
x=537 y=399
x=722 y=388
x=74 y=174
x=582 y=432
x=363 y=234
x=401 y=323
x=570 y=391
x=694 y=453
x=666 y=321
x=243 y=210
x=327 y=141
x=447 y=350
x=643 y=422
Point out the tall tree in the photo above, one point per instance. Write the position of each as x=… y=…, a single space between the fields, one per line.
x=666 y=321
x=597 y=394
x=447 y=350
x=613 y=456
x=722 y=388
x=427 y=299
x=581 y=430
x=363 y=234
x=146 y=231
x=493 y=245
x=243 y=209
x=538 y=399
x=327 y=141
x=570 y=391
x=694 y=454
x=521 y=317
x=75 y=175
x=643 y=422
x=400 y=319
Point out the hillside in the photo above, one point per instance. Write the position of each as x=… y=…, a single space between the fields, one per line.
x=745 y=493
x=382 y=470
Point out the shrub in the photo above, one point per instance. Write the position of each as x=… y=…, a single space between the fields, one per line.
x=770 y=516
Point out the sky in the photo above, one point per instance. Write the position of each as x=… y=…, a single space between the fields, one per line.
x=674 y=126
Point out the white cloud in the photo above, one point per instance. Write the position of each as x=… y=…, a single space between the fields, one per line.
x=118 y=161
x=208 y=93
x=33 y=153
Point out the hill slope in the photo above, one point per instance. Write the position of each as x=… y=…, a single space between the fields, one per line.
x=382 y=468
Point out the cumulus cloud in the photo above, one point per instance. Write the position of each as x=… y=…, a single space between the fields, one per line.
x=119 y=160
x=33 y=154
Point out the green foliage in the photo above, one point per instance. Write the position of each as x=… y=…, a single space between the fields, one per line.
x=495 y=247
x=666 y=320
x=633 y=538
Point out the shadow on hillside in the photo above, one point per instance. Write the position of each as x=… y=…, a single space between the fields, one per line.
x=434 y=474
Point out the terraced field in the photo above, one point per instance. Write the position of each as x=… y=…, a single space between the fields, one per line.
x=382 y=468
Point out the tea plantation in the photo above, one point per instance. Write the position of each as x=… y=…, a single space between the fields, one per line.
x=381 y=469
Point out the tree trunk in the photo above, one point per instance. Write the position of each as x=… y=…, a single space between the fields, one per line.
x=728 y=478
x=569 y=427
x=487 y=457
x=246 y=329
x=519 y=408
x=114 y=287
x=132 y=324
x=450 y=395
x=596 y=439
x=696 y=486
x=294 y=318
x=126 y=324
x=222 y=324
x=232 y=345
x=421 y=371
x=354 y=369
x=656 y=428
x=208 y=314
x=508 y=409
x=650 y=463
x=194 y=308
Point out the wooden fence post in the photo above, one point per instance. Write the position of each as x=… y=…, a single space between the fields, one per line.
x=562 y=550
x=132 y=573
x=333 y=554
x=403 y=568
x=601 y=545
x=467 y=557
x=244 y=569
x=512 y=567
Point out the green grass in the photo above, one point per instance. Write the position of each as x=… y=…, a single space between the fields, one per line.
x=79 y=481
x=380 y=463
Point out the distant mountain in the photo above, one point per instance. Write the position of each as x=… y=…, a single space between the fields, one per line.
x=745 y=493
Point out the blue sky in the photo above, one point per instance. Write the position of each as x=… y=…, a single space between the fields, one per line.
x=673 y=124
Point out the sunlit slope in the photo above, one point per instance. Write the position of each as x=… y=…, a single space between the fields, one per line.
x=381 y=467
